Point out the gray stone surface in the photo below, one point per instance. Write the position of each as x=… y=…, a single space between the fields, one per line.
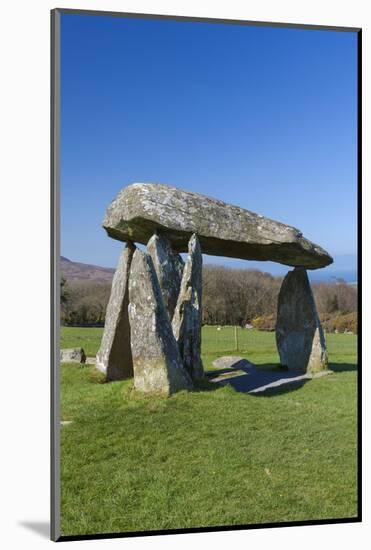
x=223 y=229
x=299 y=335
x=169 y=269
x=157 y=364
x=72 y=355
x=231 y=362
x=187 y=317
x=114 y=356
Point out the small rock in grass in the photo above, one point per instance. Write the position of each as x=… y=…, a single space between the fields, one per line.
x=72 y=355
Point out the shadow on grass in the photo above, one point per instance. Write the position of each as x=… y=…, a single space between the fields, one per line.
x=269 y=380
x=205 y=385
x=343 y=367
x=263 y=380
x=284 y=388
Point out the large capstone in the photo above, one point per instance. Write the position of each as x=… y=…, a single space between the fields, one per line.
x=187 y=317
x=157 y=364
x=299 y=335
x=114 y=356
x=223 y=229
x=169 y=269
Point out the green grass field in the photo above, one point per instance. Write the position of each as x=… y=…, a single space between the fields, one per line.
x=210 y=457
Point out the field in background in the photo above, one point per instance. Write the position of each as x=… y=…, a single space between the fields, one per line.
x=257 y=345
x=209 y=457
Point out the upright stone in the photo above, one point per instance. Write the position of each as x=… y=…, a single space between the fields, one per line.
x=187 y=317
x=299 y=335
x=157 y=364
x=114 y=356
x=169 y=269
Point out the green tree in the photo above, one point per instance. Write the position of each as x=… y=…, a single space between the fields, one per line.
x=64 y=291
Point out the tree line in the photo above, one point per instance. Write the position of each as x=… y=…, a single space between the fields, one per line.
x=230 y=297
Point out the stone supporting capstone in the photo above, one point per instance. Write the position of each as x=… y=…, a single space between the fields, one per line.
x=157 y=363
x=299 y=335
x=187 y=319
x=169 y=269
x=114 y=356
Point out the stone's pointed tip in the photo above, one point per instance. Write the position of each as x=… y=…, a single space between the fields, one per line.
x=140 y=257
x=330 y=259
x=169 y=269
x=194 y=244
x=152 y=240
x=187 y=318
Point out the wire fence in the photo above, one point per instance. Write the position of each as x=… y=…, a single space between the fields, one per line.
x=223 y=340
x=237 y=339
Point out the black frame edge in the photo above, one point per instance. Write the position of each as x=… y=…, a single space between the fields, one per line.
x=359 y=268
x=225 y=528
x=54 y=274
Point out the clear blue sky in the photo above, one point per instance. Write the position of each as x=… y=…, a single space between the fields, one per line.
x=260 y=117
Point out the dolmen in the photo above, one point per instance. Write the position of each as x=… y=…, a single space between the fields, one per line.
x=153 y=319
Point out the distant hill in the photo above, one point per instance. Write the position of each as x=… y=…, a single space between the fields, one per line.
x=77 y=271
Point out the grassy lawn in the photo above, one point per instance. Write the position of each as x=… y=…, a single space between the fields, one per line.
x=207 y=458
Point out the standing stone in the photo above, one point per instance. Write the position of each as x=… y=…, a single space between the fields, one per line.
x=157 y=364
x=187 y=317
x=299 y=335
x=169 y=269
x=114 y=356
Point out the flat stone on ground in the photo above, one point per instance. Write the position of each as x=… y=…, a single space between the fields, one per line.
x=72 y=355
x=231 y=362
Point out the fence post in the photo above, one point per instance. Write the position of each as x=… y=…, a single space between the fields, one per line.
x=236 y=337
